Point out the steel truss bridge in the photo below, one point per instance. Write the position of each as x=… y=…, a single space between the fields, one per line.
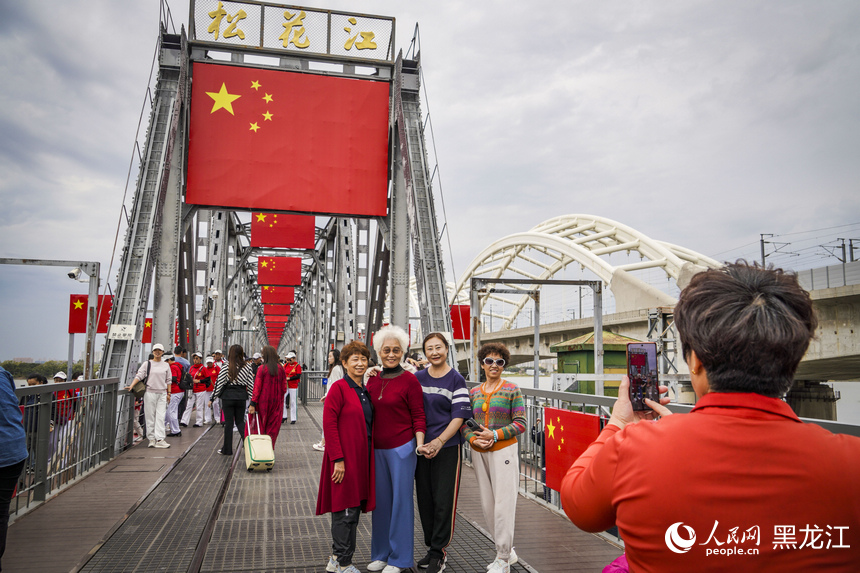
x=196 y=270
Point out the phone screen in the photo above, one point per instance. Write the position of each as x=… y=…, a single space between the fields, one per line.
x=642 y=372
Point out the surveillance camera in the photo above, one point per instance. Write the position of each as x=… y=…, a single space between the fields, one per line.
x=244 y=320
x=214 y=294
x=74 y=274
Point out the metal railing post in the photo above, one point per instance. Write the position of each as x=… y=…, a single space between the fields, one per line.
x=43 y=438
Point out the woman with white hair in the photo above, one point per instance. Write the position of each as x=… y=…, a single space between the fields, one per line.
x=398 y=431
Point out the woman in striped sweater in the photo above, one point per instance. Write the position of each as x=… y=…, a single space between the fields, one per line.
x=497 y=405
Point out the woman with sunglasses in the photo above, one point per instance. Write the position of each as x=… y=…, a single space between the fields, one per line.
x=497 y=405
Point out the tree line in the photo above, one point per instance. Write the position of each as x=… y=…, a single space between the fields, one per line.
x=46 y=369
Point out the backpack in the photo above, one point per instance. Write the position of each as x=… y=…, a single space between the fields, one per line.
x=186 y=382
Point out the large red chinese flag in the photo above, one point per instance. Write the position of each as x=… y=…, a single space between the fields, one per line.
x=147 y=331
x=279 y=271
x=78 y=313
x=460 y=321
x=277 y=295
x=276 y=309
x=287 y=141
x=567 y=435
x=276 y=319
x=282 y=231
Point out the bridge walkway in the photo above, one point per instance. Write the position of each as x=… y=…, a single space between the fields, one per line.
x=194 y=514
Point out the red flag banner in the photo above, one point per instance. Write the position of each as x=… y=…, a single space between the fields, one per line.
x=282 y=231
x=287 y=141
x=147 y=331
x=276 y=319
x=276 y=310
x=78 y=313
x=567 y=434
x=460 y=321
x=277 y=295
x=279 y=271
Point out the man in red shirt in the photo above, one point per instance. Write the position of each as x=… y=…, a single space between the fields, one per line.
x=197 y=390
x=176 y=394
x=740 y=482
x=294 y=374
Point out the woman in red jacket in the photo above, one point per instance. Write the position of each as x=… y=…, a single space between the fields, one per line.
x=347 y=478
x=270 y=385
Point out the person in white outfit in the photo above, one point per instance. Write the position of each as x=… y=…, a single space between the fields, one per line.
x=155 y=398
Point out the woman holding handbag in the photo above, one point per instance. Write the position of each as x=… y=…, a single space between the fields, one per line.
x=234 y=386
x=270 y=385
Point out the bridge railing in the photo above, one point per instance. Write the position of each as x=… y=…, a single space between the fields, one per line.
x=68 y=436
x=311 y=388
x=532 y=454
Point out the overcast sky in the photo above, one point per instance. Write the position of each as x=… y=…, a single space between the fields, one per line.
x=701 y=123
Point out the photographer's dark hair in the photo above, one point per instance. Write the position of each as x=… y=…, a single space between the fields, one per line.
x=270 y=359
x=750 y=326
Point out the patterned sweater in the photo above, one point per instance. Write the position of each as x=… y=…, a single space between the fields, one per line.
x=506 y=414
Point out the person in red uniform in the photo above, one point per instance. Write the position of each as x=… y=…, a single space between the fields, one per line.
x=294 y=374
x=176 y=394
x=270 y=385
x=198 y=390
x=347 y=478
x=740 y=483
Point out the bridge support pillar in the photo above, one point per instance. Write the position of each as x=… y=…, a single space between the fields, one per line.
x=812 y=400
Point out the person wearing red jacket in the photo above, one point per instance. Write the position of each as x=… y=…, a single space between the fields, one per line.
x=294 y=374
x=198 y=399
x=176 y=394
x=348 y=474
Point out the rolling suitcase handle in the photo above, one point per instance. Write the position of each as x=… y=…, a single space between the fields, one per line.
x=248 y=423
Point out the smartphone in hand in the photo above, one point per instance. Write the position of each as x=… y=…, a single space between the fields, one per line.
x=642 y=372
x=473 y=425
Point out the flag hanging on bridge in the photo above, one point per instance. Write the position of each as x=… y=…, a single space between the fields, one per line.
x=287 y=141
x=276 y=319
x=78 y=313
x=566 y=435
x=147 y=331
x=276 y=309
x=282 y=231
x=461 y=321
x=277 y=295
x=279 y=271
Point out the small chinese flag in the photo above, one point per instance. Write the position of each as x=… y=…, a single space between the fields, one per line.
x=279 y=271
x=460 y=321
x=147 y=331
x=287 y=141
x=276 y=309
x=282 y=231
x=78 y=313
x=567 y=435
x=277 y=295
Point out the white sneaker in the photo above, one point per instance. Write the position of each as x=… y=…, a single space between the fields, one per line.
x=512 y=559
x=377 y=565
x=347 y=569
x=318 y=447
x=391 y=569
x=161 y=444
x=332 y=565
x=151 y=444
x=499 y=566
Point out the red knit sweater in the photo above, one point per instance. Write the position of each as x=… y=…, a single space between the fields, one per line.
x=399 y=414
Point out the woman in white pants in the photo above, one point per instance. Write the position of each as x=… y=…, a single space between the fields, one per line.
x=155 y=398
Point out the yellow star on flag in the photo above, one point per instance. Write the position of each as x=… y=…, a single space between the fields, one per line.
x=79 y=304
x=148 y=323
x=223 y=99
x=254 y=127
x=265 y=288
x=267 y=116
x=261 y=217
x=255 y=85
x=264 y=263
x=268 y=98
x=551 y=429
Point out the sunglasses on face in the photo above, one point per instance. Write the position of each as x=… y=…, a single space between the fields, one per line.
x=498 y=362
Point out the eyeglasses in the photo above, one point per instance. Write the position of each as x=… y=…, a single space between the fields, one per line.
x=498 y=362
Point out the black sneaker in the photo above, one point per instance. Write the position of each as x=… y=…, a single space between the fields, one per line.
x=424 y=562
x=436 y=565
x=175 y=435
x=197 y=425
x=183 y=425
